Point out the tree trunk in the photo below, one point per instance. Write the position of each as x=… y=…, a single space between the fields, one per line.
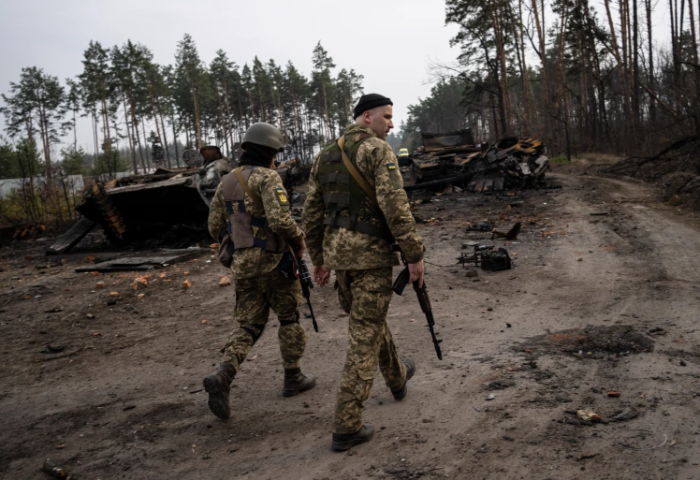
x=135 y=126
x=154 y=112
x=134 y=164
x=197 y=125
x=75 y=131
x=228 y=118
x=145 y=139
x=95 y=134
x=635 y=65
x=504 y=94
x=621 y=71
x=652 y=102
x=165 y=135
x=523 y=68
x=177 y=151
x=325 y=106
x=545 y=69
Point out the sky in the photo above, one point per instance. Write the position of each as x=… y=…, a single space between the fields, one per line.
x=390 y=42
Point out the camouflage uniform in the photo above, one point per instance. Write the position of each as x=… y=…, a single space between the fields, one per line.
x=363 y=266
x=260 y=285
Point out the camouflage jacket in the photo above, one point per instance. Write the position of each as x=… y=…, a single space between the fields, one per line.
x=254 y=261
x=342 y=249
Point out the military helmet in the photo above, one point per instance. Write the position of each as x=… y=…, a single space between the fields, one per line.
x=264 y=134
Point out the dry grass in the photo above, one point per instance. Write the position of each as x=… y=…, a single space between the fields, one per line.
x=585 y=162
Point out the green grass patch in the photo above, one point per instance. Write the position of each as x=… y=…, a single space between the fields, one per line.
x=560 y=160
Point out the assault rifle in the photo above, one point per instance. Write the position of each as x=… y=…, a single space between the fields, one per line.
x=302 y=272
x=423 y=299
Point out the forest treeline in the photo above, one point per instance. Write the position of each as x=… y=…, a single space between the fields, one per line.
x=582 y=76
x=143 y=113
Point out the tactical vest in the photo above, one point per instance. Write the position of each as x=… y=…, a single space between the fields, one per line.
x=347 y=204
x=241 y=223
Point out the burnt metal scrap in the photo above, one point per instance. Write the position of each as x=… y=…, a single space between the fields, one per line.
x=142 y=263
x=487 y=258
x=139 y=207
x=454 y=158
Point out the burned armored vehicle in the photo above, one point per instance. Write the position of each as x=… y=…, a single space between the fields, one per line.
x=142 y=206
x=455 y=158
x=439 y=153
x=168 y=202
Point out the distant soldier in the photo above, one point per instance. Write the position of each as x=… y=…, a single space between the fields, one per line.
x=214 y=169
x=251 y=206
x=192 y=158
x=355 y=210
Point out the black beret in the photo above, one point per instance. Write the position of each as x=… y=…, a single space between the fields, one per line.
x=370 y=101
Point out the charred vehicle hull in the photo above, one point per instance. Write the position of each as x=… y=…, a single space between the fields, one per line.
x=510 y=163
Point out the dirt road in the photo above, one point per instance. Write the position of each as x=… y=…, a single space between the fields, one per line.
x=595 y=304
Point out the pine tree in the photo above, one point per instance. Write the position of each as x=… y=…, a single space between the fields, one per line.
x=72 y=105
x=98 y=91
x=35 y=106
x=322 y=82
x=191 y=85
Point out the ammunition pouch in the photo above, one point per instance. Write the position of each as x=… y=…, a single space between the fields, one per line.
x=225 y=253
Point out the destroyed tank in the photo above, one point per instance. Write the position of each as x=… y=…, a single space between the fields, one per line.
x=454 y=158
x=142 y=206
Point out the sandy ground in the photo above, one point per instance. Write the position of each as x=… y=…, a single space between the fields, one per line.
x=124 y=399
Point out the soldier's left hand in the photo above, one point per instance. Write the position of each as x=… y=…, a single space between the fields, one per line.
x=322 y=275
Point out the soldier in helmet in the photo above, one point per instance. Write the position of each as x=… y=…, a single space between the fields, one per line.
x=252 y=208
x=355 y=210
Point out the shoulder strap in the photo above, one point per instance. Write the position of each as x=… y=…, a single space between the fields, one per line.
x=355 y=174
x=244 y=184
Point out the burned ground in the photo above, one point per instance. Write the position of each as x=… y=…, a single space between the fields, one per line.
x=598 y=259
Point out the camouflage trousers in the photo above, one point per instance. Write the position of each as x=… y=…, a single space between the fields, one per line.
x=254 y=298
x=365 y=295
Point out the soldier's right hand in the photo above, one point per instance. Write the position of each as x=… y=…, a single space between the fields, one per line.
x=299 y=246
x=416 y=270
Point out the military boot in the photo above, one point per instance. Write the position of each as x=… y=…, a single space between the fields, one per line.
x=400 y=394
x=218 y=386
x=296 y=382
x=345 y=441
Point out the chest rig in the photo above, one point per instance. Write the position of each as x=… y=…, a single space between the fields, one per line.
x=347 y=201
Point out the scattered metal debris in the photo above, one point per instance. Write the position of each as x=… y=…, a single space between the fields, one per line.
x=145 y=263
x=454 y=158
x=500 y=384
x=72 y=237
x=55 y=471
x=53 y=349
x=484 y=257
x=511 y=234
x=625 y=415
x=636 y=449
